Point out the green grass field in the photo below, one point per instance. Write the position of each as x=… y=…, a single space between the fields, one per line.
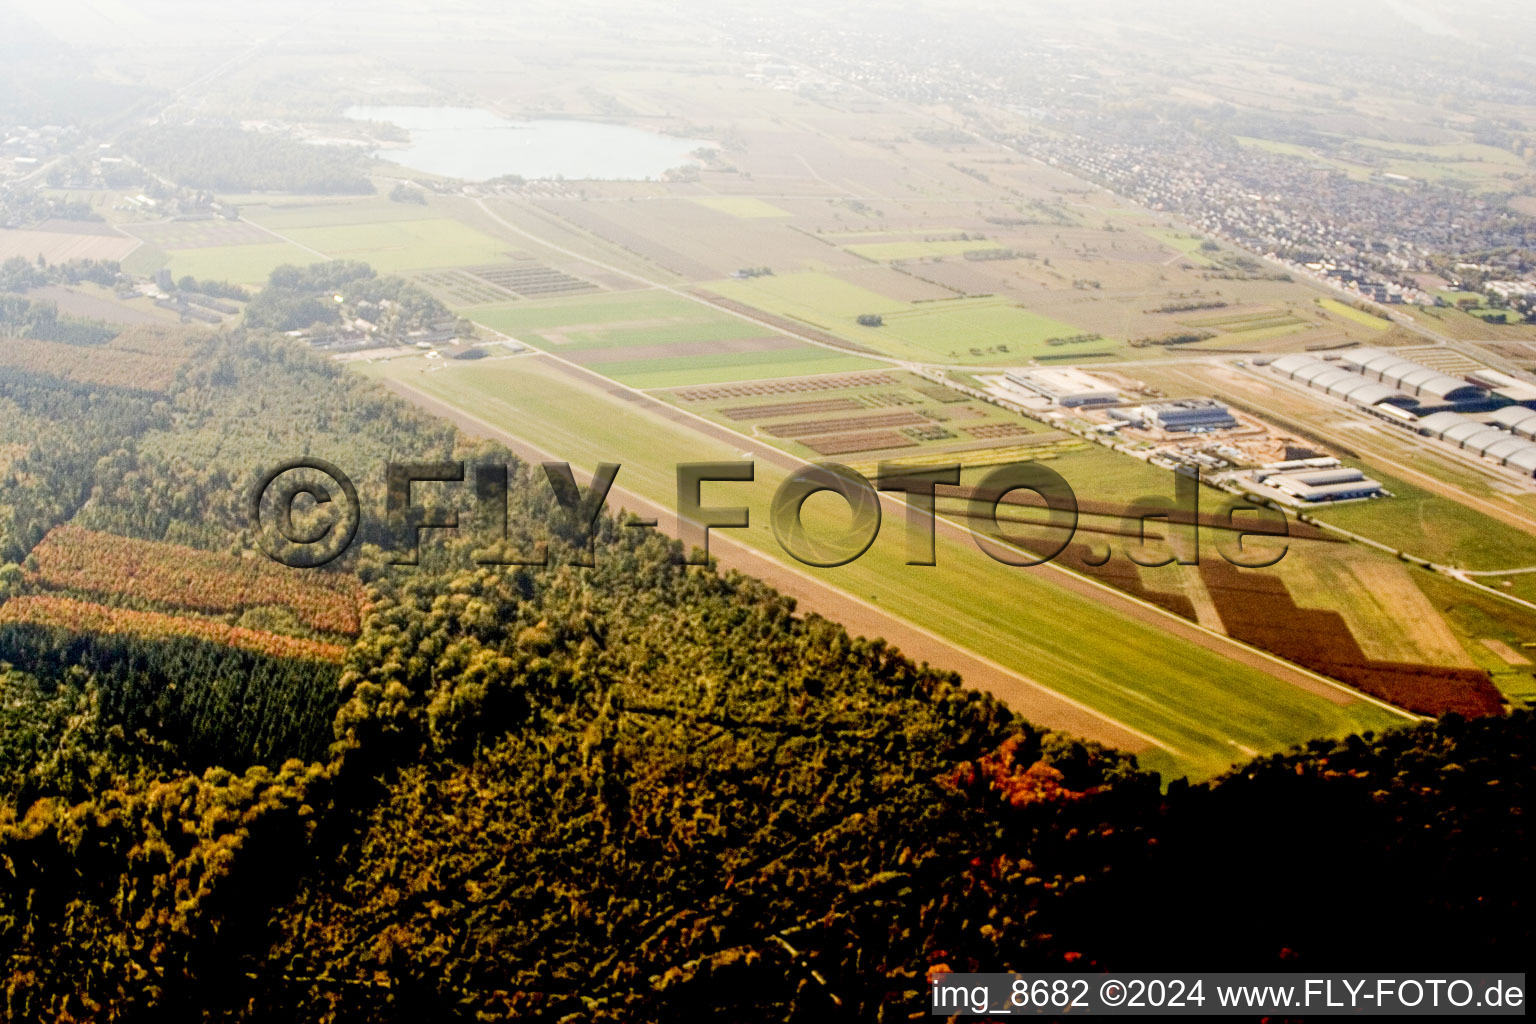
x=595 y=311
x=395 y=246
x=745 y=207
x=733 y=366
x=1359 y=316
x=667 y=326
x=145 y=260
x=1185 y=244
x=966 y=329
x=1205 y=710
x=1476 y=166
x=320 y=213
x=1429 y=526
x=984 y=331
x=239 y=264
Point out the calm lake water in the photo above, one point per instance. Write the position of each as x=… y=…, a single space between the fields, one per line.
x=462 y=142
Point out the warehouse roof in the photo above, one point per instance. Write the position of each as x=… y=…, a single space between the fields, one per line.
x=1508 y=446
x=1437 y=423
x=1511 y=417
x=1480 y=441
x=1524 y=459
x=1461 y=431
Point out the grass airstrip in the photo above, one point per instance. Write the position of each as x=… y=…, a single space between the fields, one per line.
x=654 y=338
x=1203 y=710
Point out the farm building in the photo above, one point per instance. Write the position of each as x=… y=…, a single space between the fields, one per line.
x=1064 y=386
x=1420 y=381
x=1189 y=416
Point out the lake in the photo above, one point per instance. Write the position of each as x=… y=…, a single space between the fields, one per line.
x=472 y=144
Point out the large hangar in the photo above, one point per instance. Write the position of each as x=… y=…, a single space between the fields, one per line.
x=1338 y=381
x=1406 y=375
x=1488 y=439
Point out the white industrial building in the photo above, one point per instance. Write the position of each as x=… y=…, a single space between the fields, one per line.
x=1064 y=386
x=1188 y=416
x=1312 y=481
x=1506 y=437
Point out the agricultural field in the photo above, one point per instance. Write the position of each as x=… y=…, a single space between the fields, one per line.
x=90 y=301
x=1462 y=165
x=392 y=247
x=986 y=331
x=1503 y=632
x=1464 y=326
x=745 y=207
x=1359 y=316
x=460 y=287
x=1201 y=709
x=238 y=264
x=60 y=246
x=917 y=250
x=200 y=234
x=866 y=417
x=1249 y=325
x=530 y=279
x=1350 y=612
x=657 y=339
x=280 y=214
x=1186 y=245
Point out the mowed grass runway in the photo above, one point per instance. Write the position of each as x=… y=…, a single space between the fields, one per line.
x=1203 y=710
x=653 y=339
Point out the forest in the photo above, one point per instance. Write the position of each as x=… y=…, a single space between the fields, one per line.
x=230 y=159
x=635 y=791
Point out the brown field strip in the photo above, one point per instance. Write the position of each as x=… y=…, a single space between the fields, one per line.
x=842 y=444
x=776 y=409
x=810 y=428
x=788 y=386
